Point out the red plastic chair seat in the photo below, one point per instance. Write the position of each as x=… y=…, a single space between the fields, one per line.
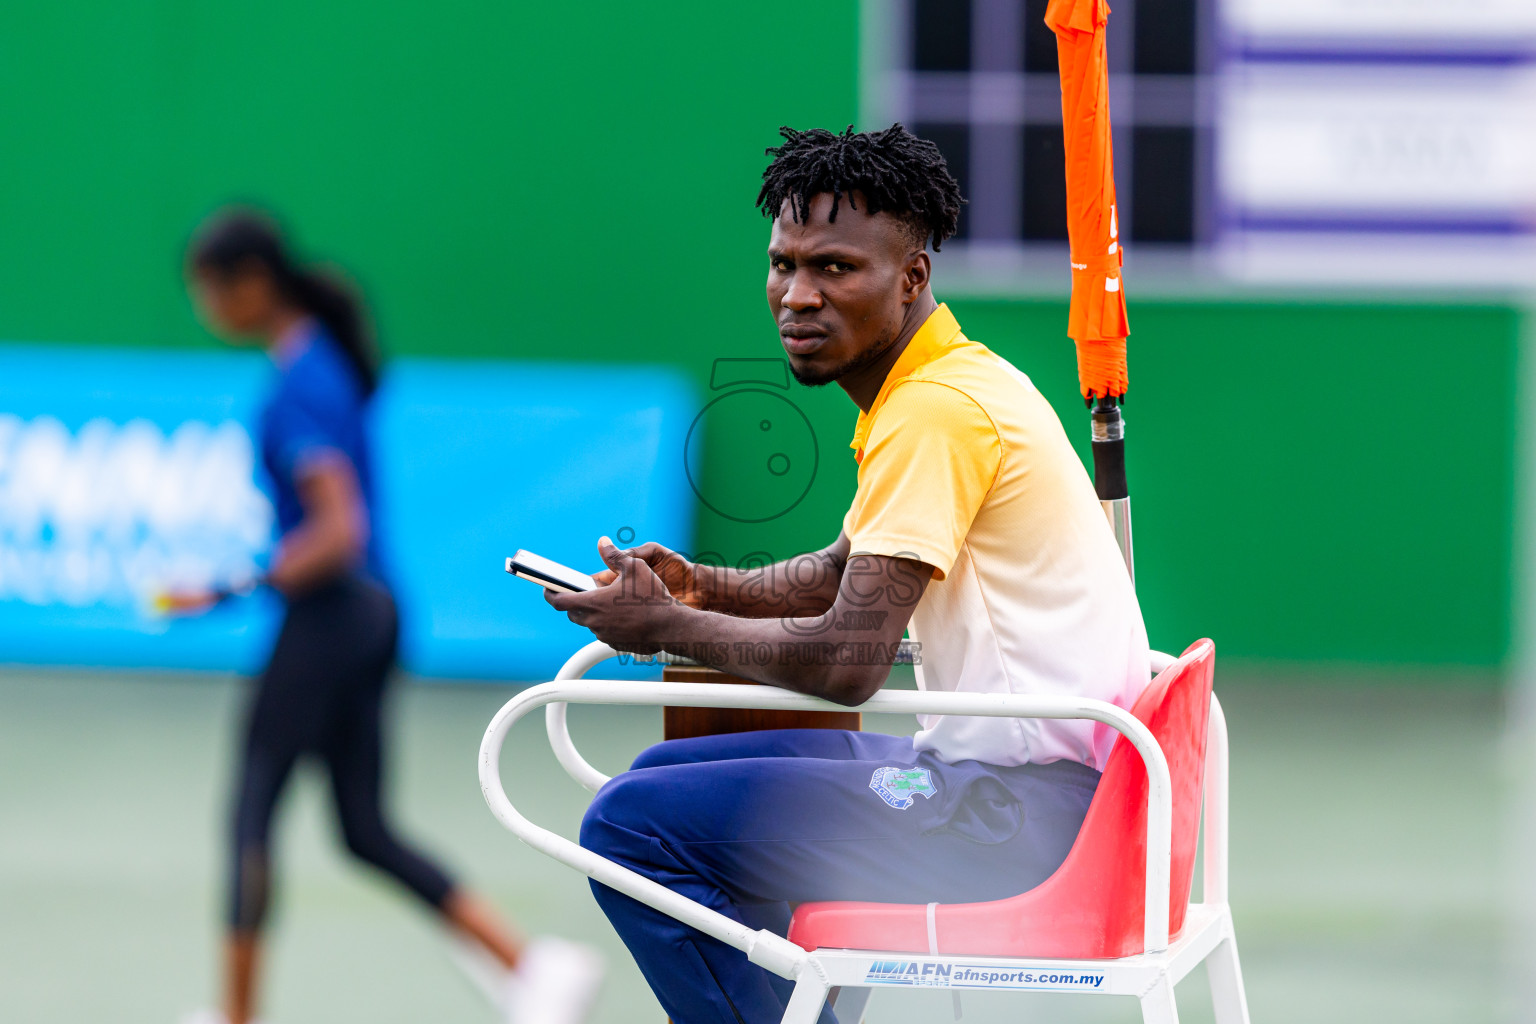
x=1092 y=907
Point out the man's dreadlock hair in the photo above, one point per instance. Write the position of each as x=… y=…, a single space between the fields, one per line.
x=894 y=170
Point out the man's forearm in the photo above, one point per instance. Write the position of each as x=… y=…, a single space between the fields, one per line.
x=805 y=585
x=810 y=654
x=843 y=654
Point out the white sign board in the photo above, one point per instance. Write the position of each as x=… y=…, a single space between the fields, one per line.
x=1364 y=141
x=1421 y=144
x=1385 y=22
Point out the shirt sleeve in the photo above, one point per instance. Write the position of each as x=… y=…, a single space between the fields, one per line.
x=932 y=457
x=302 y=436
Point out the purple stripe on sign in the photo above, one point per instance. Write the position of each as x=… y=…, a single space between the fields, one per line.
x=1368 y=223
x=1406 y=54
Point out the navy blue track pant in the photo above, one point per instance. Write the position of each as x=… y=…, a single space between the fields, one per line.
x=751 y=823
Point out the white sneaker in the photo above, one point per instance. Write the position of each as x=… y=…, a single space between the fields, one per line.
x=554 y=983
x=486 y=973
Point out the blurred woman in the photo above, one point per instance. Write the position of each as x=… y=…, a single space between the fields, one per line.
x=321 y=693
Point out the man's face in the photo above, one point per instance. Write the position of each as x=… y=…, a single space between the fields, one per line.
x=837 y=289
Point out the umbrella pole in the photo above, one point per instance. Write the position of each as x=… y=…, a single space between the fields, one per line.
x=1109 y=474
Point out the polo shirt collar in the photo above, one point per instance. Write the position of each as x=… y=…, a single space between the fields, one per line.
x=931 y=339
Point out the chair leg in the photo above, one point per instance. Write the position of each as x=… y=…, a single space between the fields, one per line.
x=1157 y=1005
x=850 y=1005
x=1226 y=974
x=806 y=1001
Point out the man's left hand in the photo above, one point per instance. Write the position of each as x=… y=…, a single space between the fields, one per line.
x=626 y=614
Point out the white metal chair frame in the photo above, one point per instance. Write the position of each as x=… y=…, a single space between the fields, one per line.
x=1149 y=976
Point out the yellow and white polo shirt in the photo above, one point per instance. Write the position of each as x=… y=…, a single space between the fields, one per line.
x=963 y=465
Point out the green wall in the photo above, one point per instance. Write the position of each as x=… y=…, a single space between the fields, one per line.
x=506 y=178
x=1329 y=482
x=1312 y=481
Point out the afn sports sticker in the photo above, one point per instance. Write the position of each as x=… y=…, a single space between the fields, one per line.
x=900 y=786
x=960 y=975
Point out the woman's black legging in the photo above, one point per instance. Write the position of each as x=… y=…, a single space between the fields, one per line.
x=322 y=695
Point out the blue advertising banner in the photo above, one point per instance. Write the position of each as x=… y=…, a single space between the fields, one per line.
x=477 y=460
x=123 y=472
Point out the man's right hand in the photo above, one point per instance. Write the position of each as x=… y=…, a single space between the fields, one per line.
x=685 y=580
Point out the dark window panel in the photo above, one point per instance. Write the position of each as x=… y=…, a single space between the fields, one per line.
x=954 y=141
x=941 y=35
x=1039 y=41
x=1045 y=184
x=1162 y=184
x=1165 y=37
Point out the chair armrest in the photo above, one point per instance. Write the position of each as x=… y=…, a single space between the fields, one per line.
x=555 y=724
x=769 y=950
x=597 y=652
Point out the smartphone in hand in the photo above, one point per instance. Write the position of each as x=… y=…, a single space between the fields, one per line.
x=549 y=574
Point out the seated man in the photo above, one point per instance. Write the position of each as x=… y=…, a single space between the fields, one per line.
x=974 y=527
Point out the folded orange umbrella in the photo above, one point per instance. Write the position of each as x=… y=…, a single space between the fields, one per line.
x=1097 y=321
